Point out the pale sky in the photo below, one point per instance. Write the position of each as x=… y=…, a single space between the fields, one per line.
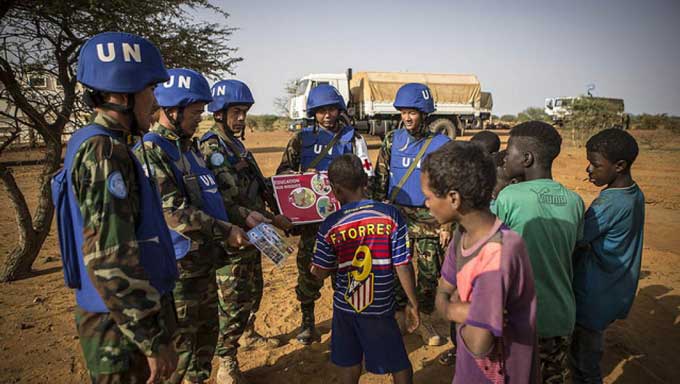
x=522 y=51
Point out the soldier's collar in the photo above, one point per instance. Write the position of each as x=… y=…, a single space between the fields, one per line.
x=108 y=122
x=419 y=133
x=224 y=134
x=165 y=131
x=339 y=128
x=112 y=124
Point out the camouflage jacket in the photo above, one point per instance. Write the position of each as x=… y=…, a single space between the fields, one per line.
x=110 y=248
x=241 y=190
x=179 y=214
x=419 y=220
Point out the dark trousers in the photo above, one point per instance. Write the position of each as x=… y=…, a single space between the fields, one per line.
x=585 y=354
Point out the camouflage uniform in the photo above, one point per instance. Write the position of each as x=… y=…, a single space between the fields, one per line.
x=139 y=321
x=554 y=352
x=423 y=231
x=196 y=291
x=239 y=278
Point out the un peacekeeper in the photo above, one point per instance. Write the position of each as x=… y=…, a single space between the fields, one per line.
x=195 y=214
x=313 y=149
x=246 y=195
x=115 y=245
x=397 y=180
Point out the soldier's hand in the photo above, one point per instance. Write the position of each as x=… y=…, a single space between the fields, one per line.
x=282 y=222
x=254 y=218
x=237 y=238
x=162 y=365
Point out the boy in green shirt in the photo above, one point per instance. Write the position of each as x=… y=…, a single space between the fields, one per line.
x=549 y=217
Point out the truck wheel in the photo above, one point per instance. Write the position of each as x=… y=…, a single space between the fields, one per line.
x=444 y=126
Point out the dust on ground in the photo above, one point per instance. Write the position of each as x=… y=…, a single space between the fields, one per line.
x=38 y=342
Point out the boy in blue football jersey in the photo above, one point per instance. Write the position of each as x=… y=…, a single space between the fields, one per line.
x=365 y=242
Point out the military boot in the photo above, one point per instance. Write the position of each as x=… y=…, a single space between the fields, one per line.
x=308 y=332
x=228 y=372
x=252 y=339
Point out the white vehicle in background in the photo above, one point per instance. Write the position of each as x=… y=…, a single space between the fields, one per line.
x=561 y=109
x=369 y=97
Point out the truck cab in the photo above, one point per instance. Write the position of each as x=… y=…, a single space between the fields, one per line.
x=559 y=108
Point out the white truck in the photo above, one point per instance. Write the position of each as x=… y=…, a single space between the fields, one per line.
x=561 y=109
x=369 y=97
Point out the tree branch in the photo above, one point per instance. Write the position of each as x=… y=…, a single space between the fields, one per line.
x=22 y=213
x=12 y=86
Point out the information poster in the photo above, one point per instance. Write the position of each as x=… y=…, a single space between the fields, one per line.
x=305 y=198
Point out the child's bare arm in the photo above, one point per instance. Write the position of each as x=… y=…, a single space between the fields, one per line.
x=408 y=282
x=456 y=310
x=478 y=340
x=320 y=273
x=444 y=292
x=407 y=279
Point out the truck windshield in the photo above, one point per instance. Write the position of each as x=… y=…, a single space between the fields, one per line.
x=301 y=88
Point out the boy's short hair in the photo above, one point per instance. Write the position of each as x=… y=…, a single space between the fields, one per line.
x=614 y=145
x=346 y=171
x=463 y=167
x=488 y=140
x=540 y=138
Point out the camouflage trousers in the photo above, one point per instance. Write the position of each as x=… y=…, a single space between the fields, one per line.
x=554 y=353
x=427 y=255
x=196 y=302
x=308 y=288
x=239 y=288
x=110 y=356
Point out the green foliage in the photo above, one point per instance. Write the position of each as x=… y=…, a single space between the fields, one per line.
x=508 y=118
x=660 y=121
x=267 y=123
x=590 y=116
x=533 y=113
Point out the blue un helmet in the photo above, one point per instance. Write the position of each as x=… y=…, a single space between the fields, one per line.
x=185 y=87
x=323 y=96
x=226 y=93
x=416 y=96
x=119 y=62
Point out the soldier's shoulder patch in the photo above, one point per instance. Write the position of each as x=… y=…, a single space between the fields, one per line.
x=216 y=159
x=116 y=185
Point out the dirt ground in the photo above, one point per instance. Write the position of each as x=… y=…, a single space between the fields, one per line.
x=38 y=342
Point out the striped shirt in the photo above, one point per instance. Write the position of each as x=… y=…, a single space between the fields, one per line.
x=363 y=241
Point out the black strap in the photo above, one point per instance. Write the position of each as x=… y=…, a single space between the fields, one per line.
x=409 y=171
x=325 y=149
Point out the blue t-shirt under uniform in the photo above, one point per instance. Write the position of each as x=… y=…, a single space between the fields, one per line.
x=606 y=273
x=363 y=241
